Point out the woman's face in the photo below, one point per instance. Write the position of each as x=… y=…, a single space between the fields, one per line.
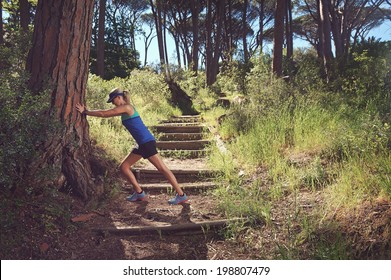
x=117 y=100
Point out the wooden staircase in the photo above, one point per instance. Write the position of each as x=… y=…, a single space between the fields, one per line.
x=183 y=135
x=180 y=137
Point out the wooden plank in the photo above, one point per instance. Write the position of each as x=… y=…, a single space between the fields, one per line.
x=183 y=119
x=182 y=145
x=187 y=186
x=205 y=226
x=204 y=172
x=181 y=136
x=153 y=175
x=175 y=128
x=184 y=153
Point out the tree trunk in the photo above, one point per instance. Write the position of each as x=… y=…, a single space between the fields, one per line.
x=208 y=47
x=261 y=27
x=220 y=9
x=214 y=50
x=24 y=9
x=324 y=7
x=101 y=40
x=278 y=37
x=147 y=42
x=178 y=51
x=289 y=31
x=1 y=23
x=244 y=32
x=60 y=56
x=159 y=31
x=228 y=33
x=195 y=21
x=336 y=27
x=164 y=31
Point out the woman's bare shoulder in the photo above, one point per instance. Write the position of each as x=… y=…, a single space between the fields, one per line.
x=128 y=109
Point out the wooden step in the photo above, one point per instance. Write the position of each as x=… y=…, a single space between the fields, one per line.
x=178 y=128
x=184 y=153
x=183 y=119
x=182 y=175
x=182 y=145
x=181 y=136
x=190 y=228
x=187 y=186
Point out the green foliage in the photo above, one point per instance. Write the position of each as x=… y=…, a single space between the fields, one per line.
x=306 y=76
x=194 y=85
x=231 y=79
x=367 y=76
x=119 y=61
x=24 y=120
x=24 y=127
x=122 y=23
x=307 y=135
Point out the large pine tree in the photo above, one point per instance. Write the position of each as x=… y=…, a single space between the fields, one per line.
x=59 y=60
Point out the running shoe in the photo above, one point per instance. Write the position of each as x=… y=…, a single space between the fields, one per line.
x=178 y=199
x=136 y=197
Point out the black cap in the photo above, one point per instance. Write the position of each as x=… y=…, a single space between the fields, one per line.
x=113 y=94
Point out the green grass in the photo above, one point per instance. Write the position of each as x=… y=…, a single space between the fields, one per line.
x=333 y=148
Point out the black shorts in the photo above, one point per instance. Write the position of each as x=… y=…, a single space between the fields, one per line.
x=146 y=150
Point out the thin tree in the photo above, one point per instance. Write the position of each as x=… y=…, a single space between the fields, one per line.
x=288 y=30
x=213 y=47
x=59 y=60
x=24 y=10
x=195 y=22
x=278 y=37
x=265 y=10
x=148 y=20
x=325 y=35
x=156 y=11
x=1 y=23
x=244 y=32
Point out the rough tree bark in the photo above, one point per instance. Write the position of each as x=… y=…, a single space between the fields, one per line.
x=278 y=37
x=325 y=38
x=100 y=60
x=59 y=59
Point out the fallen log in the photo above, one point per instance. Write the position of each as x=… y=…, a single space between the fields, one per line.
x=186 y=228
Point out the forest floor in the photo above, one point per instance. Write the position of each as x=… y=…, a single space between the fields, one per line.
x=363 y=233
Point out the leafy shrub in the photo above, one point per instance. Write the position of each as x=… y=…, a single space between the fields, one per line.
x=24 y=122
x=367 y=76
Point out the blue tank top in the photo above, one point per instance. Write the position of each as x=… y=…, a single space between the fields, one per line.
x=137 y=128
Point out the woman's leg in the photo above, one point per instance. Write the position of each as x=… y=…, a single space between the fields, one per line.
x=125 y=168
x=159 y=164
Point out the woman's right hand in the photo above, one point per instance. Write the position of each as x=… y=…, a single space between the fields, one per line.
x=81 y=108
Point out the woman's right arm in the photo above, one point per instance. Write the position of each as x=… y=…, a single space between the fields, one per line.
x=117 y=111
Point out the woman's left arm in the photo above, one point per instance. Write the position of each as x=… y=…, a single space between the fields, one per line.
x=117 y=111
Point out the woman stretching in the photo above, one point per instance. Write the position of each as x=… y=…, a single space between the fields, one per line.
x=146 y=144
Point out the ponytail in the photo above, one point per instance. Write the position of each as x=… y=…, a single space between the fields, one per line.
x=126 y=97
